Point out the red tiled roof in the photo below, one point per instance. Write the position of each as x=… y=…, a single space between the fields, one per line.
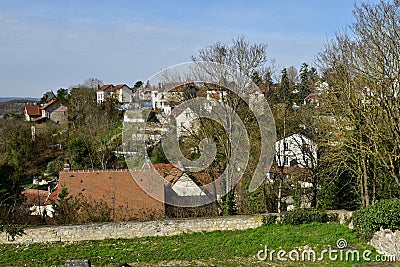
x=39 y=119
x=33 y=110
x=117 y=189
x=105 y=87
x=288 y=169
x=172 y=174
x=54 y=100
x=119 y=86
x=35 y=196
x=53 y=196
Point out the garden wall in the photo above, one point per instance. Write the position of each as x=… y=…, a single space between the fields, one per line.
x=131 y=229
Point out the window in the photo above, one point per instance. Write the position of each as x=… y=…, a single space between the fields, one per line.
x=286 y=162
x=286 y=146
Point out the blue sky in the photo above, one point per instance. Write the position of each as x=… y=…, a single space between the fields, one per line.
x=47 y=44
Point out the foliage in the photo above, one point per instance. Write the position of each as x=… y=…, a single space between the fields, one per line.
x=12 y=212
x=284 y=87
x=94 y=131
x=62 y=96
x=219 y=248
x=360 y=111
x=304 y=216
x=269 y=219
x=339 y=190
x=73 y=210
x=12 y=230
x=382 y=214
x=138 y=84
x=157 y=155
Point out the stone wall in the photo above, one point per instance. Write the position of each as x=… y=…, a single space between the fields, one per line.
x=387 y=242
x=132 y=229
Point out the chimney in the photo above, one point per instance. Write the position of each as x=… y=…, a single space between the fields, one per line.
x=67 y=165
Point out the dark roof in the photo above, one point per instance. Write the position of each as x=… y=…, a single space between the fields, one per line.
x=49 y=104
x=48 y=96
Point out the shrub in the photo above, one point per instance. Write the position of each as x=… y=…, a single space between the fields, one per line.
x=333 y=217
x=269 y=219
x=385 y=213
x=303 y=216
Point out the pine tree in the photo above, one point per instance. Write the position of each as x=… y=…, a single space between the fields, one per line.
x=284 y=87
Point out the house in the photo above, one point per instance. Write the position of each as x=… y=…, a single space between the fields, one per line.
x=103 y=92
x=186 y=122
x=194 y=185
x=32 y=113
x=314 y=98
x=124 y=192
x=37 y=200
x=189 y=192
x=53 y=110
x=121 y=92
x=48 y=96
x=116 y=190
x=296 y=150
x=296 y=156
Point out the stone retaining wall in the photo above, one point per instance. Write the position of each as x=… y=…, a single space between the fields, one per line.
x=132 y=229
x=387 y=242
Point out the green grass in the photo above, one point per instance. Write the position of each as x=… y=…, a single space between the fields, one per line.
x=220 y=248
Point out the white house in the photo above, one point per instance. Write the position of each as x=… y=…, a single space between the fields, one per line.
x=121 y=92
x=185 y=187
x=186 y=122
x=53 y=110
x=296 y=150
x=38 y=202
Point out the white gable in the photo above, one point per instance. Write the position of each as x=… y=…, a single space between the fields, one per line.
x=185 y=187
x=296 y=150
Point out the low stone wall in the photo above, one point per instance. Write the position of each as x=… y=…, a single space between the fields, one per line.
x=98 y=231
x=387 y=242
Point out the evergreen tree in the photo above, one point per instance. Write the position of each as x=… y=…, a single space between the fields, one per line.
x=284 y=87
x=304 y=81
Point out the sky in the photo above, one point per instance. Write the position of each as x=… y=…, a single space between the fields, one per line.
x=47 y=44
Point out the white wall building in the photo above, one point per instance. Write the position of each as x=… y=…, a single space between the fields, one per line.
x=186 y=122
x=185 y=187
x=121 y=92
x=296 y=150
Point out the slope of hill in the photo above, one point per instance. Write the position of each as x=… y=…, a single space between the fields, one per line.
x=15 y=105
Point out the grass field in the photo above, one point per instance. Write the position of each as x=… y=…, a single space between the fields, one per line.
x=220 y=248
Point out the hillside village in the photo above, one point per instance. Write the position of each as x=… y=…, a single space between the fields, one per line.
x=55 y=111
x=117 y=195
x=85 y=127
x=264 y=156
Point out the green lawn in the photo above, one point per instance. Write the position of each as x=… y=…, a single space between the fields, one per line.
x=220 y=248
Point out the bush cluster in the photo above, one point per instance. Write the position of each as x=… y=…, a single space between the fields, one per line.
x=384 y=213
x=301 y=216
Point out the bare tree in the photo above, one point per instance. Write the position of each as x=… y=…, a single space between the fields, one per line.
x=362 y=68
x=247 y=59
x=92 y=83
